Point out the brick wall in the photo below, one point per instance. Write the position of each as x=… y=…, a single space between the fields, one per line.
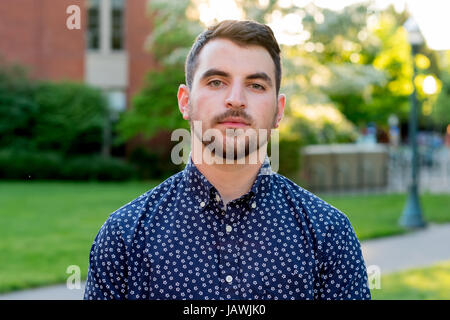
x=34 y=33
x=137 y=30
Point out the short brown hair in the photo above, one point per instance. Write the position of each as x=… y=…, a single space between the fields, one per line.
x=242 y=33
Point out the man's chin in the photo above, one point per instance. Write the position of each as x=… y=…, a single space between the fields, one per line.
x=231 y=153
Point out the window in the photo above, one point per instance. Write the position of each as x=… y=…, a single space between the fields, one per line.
x=106 y=24
x=117 y=24
x=93 y=25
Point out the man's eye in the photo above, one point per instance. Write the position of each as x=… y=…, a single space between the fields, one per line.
x=257 y=86
x=215 y=83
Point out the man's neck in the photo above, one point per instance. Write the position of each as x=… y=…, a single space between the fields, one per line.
x=231 y=180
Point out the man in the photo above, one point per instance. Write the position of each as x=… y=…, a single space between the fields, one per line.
x=221 y=230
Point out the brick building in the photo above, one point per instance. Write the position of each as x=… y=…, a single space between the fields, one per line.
x=108 y=51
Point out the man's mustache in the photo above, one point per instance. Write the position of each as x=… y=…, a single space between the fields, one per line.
x=235 y=114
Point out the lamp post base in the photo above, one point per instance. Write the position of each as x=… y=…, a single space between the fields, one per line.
x=412 y=213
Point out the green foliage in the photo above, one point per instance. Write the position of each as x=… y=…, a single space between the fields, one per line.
x=97 y=168
x=161 y=165
x=67 y=118
x=71 y=118
x=318 y=124
x=173 y=33
x=290 y=158
x=53 y=130
x=26 y=165
x=441 y=109
x=353 y=64
x=17 y=107
x=155 y=107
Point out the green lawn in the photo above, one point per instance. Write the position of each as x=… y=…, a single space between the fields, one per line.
x=47 y=226
x=374 y=216
x=432 y=283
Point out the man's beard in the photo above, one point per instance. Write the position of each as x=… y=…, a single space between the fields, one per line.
x=236 y=149
x=233 y=148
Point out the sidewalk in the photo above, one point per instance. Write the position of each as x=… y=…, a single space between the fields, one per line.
x=420 y=248
x=416 y=249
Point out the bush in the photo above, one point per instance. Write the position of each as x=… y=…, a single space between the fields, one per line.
x=98 y=168
x=290 y=157
x=71 y=118
x=153 y=164
x=19 y=164
x=17 y=107
x=65 y=117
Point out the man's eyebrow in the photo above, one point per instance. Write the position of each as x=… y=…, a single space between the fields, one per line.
x=217 y=72
x=214 y=72
x=260 y=75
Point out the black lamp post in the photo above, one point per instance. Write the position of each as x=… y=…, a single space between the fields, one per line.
x=412 y=212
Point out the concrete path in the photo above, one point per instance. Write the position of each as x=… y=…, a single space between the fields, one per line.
x=56 y=292
x=415 y=249
x=419 y=248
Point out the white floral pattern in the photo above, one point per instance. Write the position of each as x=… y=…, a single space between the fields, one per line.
x=178 y=241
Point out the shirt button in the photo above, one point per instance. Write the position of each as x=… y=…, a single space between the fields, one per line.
x=254 y=205
x=229 y=279
x=228 y=228
x=217 y=198
x=202 y=204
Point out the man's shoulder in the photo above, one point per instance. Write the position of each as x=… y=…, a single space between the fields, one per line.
x=132 y=210
x=326 y=223
x=314 y=208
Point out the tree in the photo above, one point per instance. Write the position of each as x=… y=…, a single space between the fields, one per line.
x=441 y=109
x=154 y=108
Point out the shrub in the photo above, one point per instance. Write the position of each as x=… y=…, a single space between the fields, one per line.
x=153 y=164
x=17 y=107
x=20 y=164
x=98 y=168
x=71 y=118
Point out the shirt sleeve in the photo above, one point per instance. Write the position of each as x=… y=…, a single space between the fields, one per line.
x=107 y=265
x=343 y=275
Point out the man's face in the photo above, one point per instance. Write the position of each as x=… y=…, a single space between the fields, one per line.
x=233 y=88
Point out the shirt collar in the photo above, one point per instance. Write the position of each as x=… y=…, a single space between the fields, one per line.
x=203 y=191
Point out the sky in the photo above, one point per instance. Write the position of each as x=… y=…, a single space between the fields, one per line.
x=430 y=15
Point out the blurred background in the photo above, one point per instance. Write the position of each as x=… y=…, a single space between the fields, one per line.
x=86 y=117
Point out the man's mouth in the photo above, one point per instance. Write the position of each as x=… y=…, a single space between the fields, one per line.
x=234 y=122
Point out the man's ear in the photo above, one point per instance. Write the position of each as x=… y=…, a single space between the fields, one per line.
x=281 y=105
x=183 y=100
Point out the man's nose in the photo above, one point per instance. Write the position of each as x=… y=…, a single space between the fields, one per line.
x=236 y=97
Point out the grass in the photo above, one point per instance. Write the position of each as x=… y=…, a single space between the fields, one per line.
x=431 y=283
x=374 y=216
x=47 y=226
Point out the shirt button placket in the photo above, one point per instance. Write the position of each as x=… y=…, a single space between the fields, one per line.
x=228 y=259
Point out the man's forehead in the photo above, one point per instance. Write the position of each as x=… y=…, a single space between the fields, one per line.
x=233 y=58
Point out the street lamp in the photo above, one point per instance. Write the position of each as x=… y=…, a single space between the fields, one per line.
x=412 y=213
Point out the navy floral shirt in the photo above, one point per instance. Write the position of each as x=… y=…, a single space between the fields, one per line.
x=179 y=241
